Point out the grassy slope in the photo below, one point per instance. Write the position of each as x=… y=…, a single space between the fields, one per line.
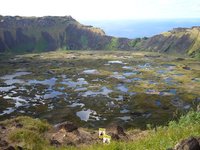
x=32 y=135
x=163 y=138
x=194 y=49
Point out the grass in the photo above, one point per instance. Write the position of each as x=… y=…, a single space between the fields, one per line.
x=165 y=137
x=29 y=124
x=31 y=135
x=27 y=139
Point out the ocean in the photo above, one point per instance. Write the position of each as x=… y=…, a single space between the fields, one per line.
x=141 y=28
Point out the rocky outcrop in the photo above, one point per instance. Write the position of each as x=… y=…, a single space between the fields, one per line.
x=27 y=34
x=191 y=143
x=116 y=132
x=61 y=135
x=67 y=133
x=68 y=126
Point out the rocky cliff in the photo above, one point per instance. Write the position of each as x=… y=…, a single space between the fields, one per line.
x=19 y=34
x=178 y=40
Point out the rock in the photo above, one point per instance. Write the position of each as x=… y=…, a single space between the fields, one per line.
x=10 y=148
x=55 y=142
x=152 y=56
x=2 y=127
x=165 y=107
x=19 y=148
x=188 y=144
x=136 y=114
x=67 y=133
x=180 y=59
x=59 y=136
x=68 y=126
x=198 y=107
x=50 y=72
x=116 y=132
x=50 y=41
x=18 y=125
x=186 y=67
x=3 y=143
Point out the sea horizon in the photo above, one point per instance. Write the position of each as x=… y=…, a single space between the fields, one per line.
x=141 y=27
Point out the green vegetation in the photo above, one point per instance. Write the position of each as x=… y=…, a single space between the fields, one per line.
x=27 y=132
x=114 y=43
x=29 y=124
x=133 y=43
x=52 y=33
x=27 y=139
x=192 y=34
x=39 y=34
x=32 y=135
x=163 y=138
x=84 y=42
x=41 y=45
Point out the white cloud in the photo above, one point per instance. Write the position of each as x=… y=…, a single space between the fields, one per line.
x=103 y=9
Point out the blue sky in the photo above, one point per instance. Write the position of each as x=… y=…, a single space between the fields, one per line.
x=104 y=9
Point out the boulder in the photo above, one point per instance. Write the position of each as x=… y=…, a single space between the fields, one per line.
x=19 y=148
x=116 y=132
x=58 y=137
x=3 y=143
x=10 y=148
x=51 y=72
x=2 y=127
x=55 y=142
x=18 y=125
x=67 y=126
x=180 y=59
x=188 y=144
x=76 y=137
x=186 y=67
x=136 y=114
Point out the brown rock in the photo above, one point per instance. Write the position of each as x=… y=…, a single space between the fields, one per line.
x=116 y=132
x=10 y=148
x=3 y=143
x=180 y=59
x=188 y=144
x=68 y=126
x=59 y=135
x=19 y=148
x=2 y=127
x=18 y=125
x=76 y=137
x=186 y=67
x=136 y=114
x=55 y=142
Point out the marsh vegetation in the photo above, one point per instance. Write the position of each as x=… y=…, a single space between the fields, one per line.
x=96 y=88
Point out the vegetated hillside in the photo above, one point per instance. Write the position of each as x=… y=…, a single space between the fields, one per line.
x=32 y=34
x=178 y=40
x=19 y=34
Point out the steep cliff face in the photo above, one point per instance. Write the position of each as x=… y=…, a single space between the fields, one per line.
x=50 y=33
x=28 y=34
x=179 y=40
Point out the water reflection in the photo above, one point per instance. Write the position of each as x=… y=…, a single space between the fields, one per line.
x=119 y=91
x=86 y=114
